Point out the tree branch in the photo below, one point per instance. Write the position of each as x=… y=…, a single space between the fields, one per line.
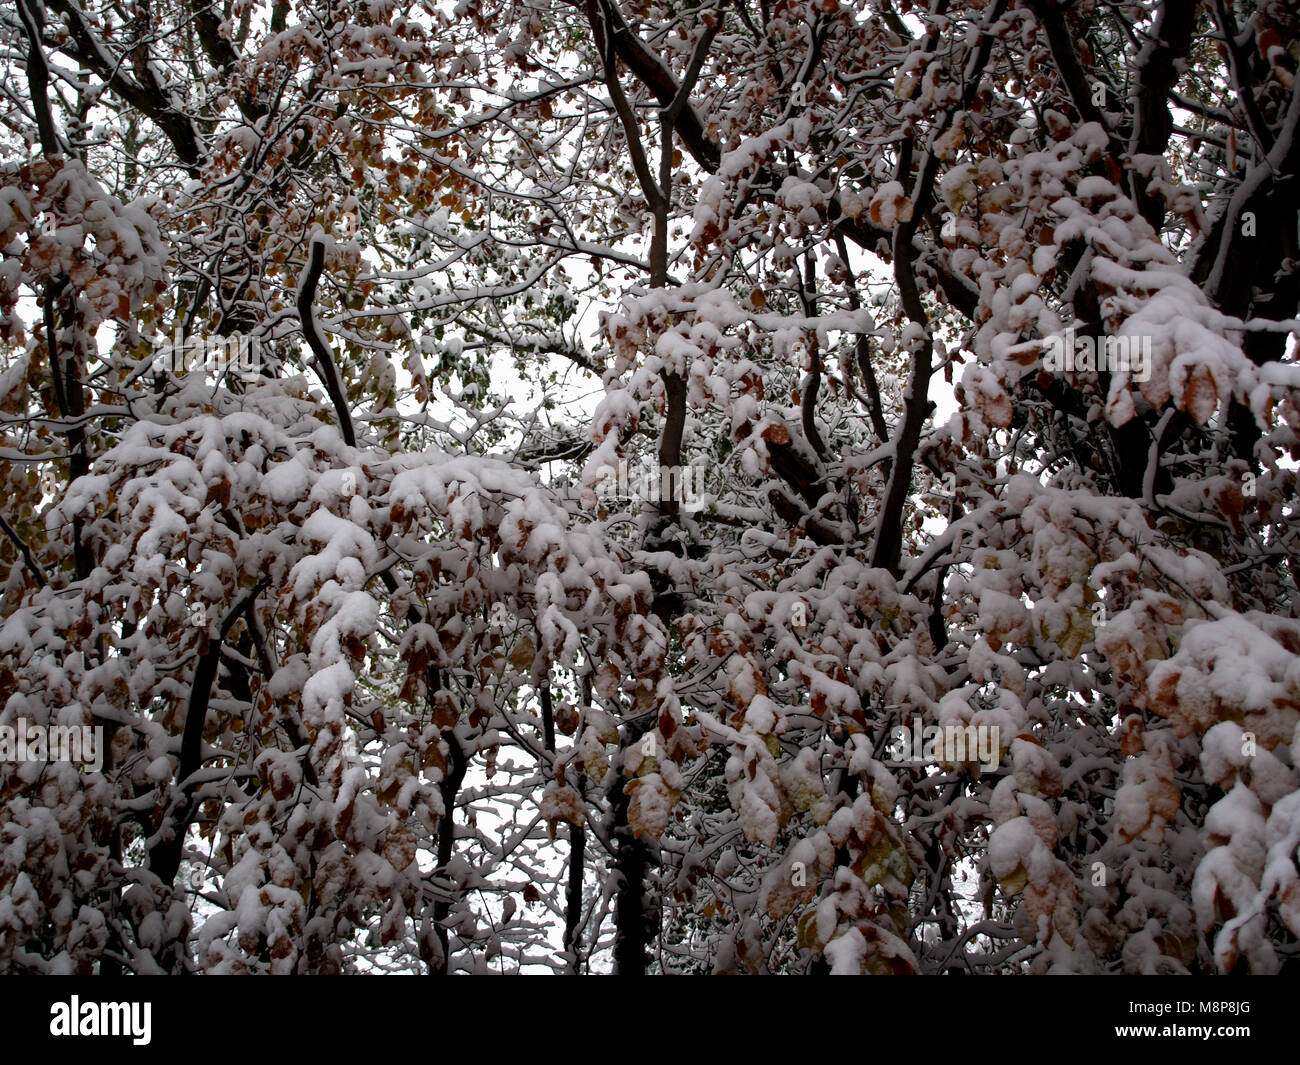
x=652 y=73
x=1171 y=39
x=38 y=80
x=325 y=365
x=165 y=855
x=152 y=100
x=29 y=560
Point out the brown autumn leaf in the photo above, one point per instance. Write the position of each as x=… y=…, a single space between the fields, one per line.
x=776 y=433
x=649 y=805
x=1200 y=395
x=523 y=654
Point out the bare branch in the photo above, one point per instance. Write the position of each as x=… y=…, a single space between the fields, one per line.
x=325 y=365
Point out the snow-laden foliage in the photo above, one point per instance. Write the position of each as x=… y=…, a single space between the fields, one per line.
x=387 y=678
